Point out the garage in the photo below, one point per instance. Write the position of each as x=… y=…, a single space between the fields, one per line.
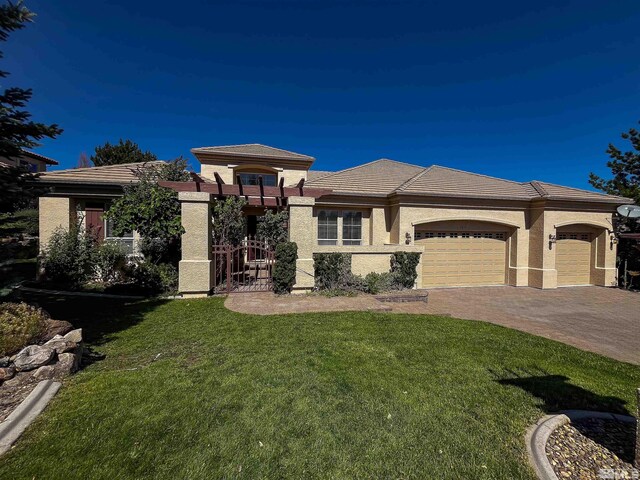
x=463 y=257
x=573 y=258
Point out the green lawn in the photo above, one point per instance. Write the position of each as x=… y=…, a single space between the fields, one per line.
x=189 y=390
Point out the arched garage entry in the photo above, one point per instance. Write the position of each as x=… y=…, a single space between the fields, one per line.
x=577 y=253
x=460 y=253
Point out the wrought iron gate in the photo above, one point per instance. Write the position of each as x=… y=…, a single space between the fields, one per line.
x=247 y=267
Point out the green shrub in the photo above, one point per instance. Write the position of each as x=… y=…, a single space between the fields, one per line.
x=274 y=227
x=381 y=282
x=155 y=279
x=20 y=325
x=69 y=256
x=109 y=260
x=284 y=271
x=18 y=223
x=331 y=270
x=403 y=265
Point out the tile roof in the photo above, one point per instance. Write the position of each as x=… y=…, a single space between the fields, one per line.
x=380 y=177
x=37 y=156
x=553 y=191
x=253 y=150
x=385 y=177
x=448 y=182
x=121 y=174
x=317 y=175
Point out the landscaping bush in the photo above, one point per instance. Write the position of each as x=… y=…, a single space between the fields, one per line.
x=284 y=272
x=109 y=260
x=403 y=265
x=19 y=223
x=381 y=282
x=68 y=258
x=155 y=279
x=331 y=270
x=20 y=325
x=274 y=227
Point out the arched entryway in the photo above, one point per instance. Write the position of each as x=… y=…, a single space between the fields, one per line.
x=461 y=253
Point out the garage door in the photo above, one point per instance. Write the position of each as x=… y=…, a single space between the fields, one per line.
x=573 y=258
x=462 y=258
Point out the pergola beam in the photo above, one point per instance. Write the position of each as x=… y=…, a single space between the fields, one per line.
x=222 y=189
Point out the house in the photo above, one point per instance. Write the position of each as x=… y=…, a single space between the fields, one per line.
x=470 y=229
x=33 y=161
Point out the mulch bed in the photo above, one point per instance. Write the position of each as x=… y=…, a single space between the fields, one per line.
x=13 y=394
x=588 y=449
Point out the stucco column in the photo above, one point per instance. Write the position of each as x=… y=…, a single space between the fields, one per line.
x=196 y=267
x=303 y=231
x=54 y=213
x=542 y=253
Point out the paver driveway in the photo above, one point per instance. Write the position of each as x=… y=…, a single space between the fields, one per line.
x=599 y=319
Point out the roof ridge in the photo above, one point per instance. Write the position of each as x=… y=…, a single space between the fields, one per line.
x=478 y=174
x=252 y=145
x=101 y=166
x=364 y=165
x=412 y=179
x=538 y=188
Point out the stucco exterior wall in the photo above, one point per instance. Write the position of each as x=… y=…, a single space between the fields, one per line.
x=54 y=212
x=228 y=171
x=196 y=268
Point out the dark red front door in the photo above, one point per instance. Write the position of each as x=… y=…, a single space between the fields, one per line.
x=94 y=222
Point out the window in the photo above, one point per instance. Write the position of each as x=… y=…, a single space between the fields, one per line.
x=352 y=228
x=125 y=240
x=328 y=227
x=32 y=167
x=268 y=179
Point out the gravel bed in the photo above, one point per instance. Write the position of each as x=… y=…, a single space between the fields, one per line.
x=588 y=449
x=12 y=396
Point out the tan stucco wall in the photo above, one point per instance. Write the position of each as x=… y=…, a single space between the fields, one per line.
x=227 y=172
x=304 y=232
x=54 y=212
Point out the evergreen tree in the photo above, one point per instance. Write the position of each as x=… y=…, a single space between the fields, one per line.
x=124 y=152
x=17 y=130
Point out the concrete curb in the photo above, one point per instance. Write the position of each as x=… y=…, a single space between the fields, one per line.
x=538 y=434
x=79 y=294
x=25 y=413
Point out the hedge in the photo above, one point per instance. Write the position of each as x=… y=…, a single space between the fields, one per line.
x=403 y=266
x=284 y=271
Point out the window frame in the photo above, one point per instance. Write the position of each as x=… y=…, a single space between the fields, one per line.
x=264 y=176
x=328 y=225
x=127 y=241
x=351 y=241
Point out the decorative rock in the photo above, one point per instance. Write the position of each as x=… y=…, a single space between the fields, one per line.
x=7 y=373
x=4 y=362
x=55 y=327
x=60 y=345
x=19 y=380
x=32 y=357
x=67 y=364
x=45 y=372
x=74 y=336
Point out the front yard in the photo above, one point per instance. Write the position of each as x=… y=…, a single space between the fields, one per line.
x=191 y=390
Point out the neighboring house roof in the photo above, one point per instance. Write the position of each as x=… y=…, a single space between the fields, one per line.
x=121 y=174
x=253 y=150
x=37 y=156
x=380 y=177
x=316 y=175
x=387 y=177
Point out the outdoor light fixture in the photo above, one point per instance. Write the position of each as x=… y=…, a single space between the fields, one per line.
x=552 y=240
x=614 y=239
x=407 y=238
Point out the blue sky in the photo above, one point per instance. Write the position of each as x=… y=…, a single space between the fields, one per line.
x=519 y=90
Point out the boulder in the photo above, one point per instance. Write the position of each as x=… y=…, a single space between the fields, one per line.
x=74 y=336
x=60 y=345
x=4 y=362
x=46 y=372
x=67 y=364
x=32 y=357
x=55 y=327
x=6 y=373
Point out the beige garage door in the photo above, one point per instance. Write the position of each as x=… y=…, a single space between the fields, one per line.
x=453 y=259
x=573 y=258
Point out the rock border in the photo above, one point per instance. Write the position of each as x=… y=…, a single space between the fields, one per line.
x=25 y=413
x=538 y=434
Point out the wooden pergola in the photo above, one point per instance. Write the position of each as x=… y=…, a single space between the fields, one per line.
x=255 y=195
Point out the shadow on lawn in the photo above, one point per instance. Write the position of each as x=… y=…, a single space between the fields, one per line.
x=558 y=394
x=98 y=317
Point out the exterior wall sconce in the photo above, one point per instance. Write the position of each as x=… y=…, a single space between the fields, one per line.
x=552 y=240
x=407 y=238
x=613 y=240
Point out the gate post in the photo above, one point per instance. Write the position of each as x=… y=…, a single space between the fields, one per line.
x=195 y=273
x=303 y=231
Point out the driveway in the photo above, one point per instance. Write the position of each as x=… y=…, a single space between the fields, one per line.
x=598 y=319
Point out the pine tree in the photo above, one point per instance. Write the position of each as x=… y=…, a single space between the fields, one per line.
x=17 y=130
x=124 y=152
